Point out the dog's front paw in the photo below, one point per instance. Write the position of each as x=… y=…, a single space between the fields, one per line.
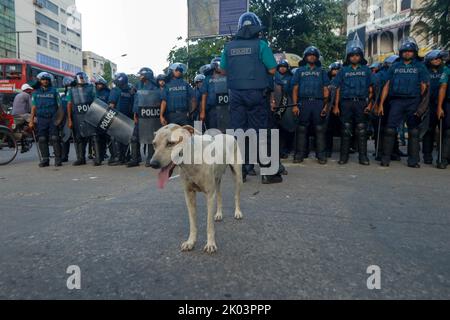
x=187 y=246
x=238 y=215
x=210 y=248
x=218 y=217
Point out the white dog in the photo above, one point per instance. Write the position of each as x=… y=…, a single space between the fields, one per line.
x=175 y=146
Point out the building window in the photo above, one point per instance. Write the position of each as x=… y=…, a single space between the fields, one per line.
x=387 y=42
x=42 y=19
x=47 y=4
x=405 y=5
x=84 y=62
x=375 y=44
x=54 y=46
x=63 y=29
x=48 y=61
x=42 y=42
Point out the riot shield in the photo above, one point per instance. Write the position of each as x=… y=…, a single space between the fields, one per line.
x=110 y=121
x=222 y=103
x=149 y=103
x=82 y=97
x=284 y=117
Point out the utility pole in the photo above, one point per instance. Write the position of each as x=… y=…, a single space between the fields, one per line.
x=18 y=33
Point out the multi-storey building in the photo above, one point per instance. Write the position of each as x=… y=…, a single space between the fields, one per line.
x=53 y=35
x=382 y=24
x=94 y=64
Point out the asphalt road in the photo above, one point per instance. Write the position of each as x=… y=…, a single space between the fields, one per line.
x=312 y=237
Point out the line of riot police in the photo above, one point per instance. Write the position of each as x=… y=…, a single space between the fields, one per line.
x=246 y=89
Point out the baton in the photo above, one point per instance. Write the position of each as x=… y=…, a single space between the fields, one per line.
x=440 y=140
x=37 y=146
x=378 y=137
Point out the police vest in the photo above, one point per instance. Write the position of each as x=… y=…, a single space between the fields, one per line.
x=310 y=83
x=46 y=102
x=405 y=81
x=103 y=95
x=435 y=77
x=125 y=103
x=217 y=90
x=356 y=82
x=177 y=96
x=284 y=81
x=245 y=70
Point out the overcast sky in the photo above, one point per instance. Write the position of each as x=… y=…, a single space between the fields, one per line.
x=146 y=30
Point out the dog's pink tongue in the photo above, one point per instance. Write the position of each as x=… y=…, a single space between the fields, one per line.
x=163 y=178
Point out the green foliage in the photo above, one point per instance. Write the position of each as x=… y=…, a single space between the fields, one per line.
x=292 y=26
x=107 y=72
x=201 y=52
x=436 y=15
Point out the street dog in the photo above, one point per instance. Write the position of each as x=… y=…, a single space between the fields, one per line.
x=175 y=147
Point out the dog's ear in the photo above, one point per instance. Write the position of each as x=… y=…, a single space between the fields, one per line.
x=190 y=129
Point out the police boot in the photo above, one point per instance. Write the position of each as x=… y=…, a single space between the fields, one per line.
x=445 y=150
x=65 y=152
x=80 y=149
x=428 y=141
x=45 y=153
x=119 y=155
x=113 y=150
x=150 y=153
x=361 y=133
x=57 y=149
x=346 y=141
x=414 y=148
x=300 y=143
x=134 y=162
x=390 y=135
x=321 y=144
x=272 y=179
x=98 y=151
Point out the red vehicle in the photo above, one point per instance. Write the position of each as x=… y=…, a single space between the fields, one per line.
x=15 y=73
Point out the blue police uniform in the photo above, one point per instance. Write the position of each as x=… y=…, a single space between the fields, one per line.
x=103 y=94
x=354 y=85
x=311 y=82
x=211 y=86
x=65 y=145
x=428 y=139
x=123 y=99
x=404 y=98
x=47 y=101
x=178 y=95
x=286 y=137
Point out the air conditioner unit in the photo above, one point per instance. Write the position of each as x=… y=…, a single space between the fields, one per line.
x=38 y=3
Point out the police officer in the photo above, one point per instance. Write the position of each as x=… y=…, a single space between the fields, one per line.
x=376 y=67
x=67 y=83
x=79 y=99
x=310 y=93
x=146 y=82
x=334 y=124
x=198 y=88
x=102 y=92
x=247 y=60
x=435 y=65
x=443 y=113
x=46 y=104
x=381 y=79
x=178 y=98
x=354 y=95
x=214 y=87
x=161 y=81
x=407 y=82
x=282 y=80
x=121 y=99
